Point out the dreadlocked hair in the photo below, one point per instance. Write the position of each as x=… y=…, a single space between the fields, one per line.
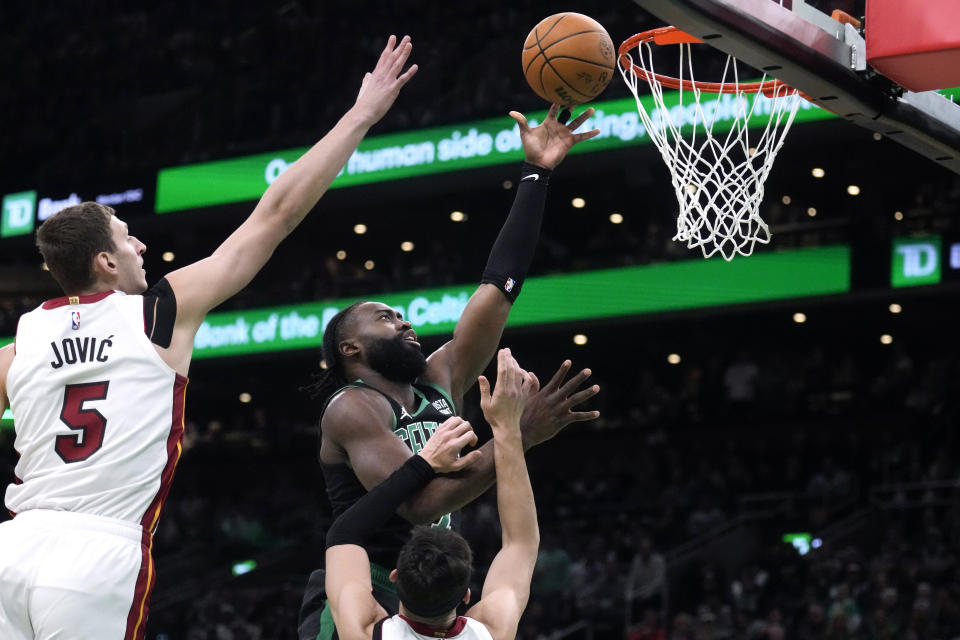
x=328 y=379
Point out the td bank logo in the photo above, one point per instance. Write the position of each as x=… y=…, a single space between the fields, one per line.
x=18 y=211
x=915 y=261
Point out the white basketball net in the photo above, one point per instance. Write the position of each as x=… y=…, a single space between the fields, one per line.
x=717 y=172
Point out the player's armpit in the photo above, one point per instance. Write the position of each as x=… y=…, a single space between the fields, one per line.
x=500 y=613
x=6 y=359
x=349 y=590
x=457 y=364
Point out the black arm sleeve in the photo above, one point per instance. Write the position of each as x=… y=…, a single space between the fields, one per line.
x=159 y=313
x=373 y=509
x=512 y=252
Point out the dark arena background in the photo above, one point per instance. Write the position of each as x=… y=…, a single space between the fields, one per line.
x=776 y=456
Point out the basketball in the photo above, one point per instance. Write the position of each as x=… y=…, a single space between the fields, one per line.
x=568 y=58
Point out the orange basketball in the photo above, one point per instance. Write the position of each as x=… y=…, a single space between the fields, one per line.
x=568 y=58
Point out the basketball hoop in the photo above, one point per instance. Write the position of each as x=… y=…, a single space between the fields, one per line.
x=717 y=165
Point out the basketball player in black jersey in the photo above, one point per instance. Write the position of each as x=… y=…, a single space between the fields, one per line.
x=384 y=398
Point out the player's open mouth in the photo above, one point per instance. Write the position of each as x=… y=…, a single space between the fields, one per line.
x=412 y=338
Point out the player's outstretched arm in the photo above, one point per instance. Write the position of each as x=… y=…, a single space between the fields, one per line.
x=507 y=585
x=348 y=581
x=203 y=285
x=456 y=365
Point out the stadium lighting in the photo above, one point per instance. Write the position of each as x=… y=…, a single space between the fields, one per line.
x=799 y=317
x=895 y=308
x=458 y=216
x=886 y=338
x=812 y=211
x=341 y=255
x=369 y=265
x=578 y=203
x=508 y=184
x=786 y=199
x=673 y=358
x=853 y=190
x=167 y=256
x=245 y=398
x=406 y=246
x=616 y=218
x=360 y=229
x=580 y=339
x=817 y=172
x=898 y=215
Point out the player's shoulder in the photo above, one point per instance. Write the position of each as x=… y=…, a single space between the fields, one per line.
x=355 y=405
x=6 y=357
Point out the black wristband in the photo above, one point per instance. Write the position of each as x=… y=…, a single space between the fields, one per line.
x=372 y=510
x=512 y=253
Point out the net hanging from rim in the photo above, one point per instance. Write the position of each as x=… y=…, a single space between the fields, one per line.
x=718 y=164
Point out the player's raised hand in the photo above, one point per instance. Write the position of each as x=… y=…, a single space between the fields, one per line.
x=547 y=145
x=381 y=86
x=504 y=406
x=551 y=408
x=442 y=451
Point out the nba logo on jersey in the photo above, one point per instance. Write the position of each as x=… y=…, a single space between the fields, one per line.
x=75 y=319
x=509 y=285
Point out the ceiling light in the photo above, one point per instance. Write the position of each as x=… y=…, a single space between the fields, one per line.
x=167 y=256
x=616 y=218
x=895 y=308
x=406 y=246
x=799 y=317
x=673 y=358
x=786 y=199
x=360 y=229
x=812 y=211
x=898 y=215
x=578 y=203
x=369 y=265
x=508 y=184
x=580 y=339
x=817 y=172
x=341 y=255
x=853 y=190
x=458 y=216
x=886 y=338
x=245 y=398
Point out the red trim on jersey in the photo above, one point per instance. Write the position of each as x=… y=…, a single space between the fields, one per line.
x=174 y=449
x=426 y=630
x=65 y=300
x=137 y=616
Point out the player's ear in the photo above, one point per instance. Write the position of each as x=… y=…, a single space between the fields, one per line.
x=393 y=576
x=349 y=348
x=103 y=262
x=466 y=596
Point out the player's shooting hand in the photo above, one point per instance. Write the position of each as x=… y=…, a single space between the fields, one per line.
x=504 y=406
x=442 y=450
x=552 y=407
x=382 y=86
x=547 y=145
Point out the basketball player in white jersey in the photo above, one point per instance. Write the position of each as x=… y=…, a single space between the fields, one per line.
x=96 y=382
x=433 y=569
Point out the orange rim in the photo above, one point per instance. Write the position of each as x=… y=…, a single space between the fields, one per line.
x=673 y=35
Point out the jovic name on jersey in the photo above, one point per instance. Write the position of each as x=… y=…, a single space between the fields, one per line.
x=98 y=414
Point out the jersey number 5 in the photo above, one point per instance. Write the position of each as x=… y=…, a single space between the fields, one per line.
x=89 y=423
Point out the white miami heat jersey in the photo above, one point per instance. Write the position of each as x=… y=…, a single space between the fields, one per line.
x=401 y=628
x=98 y=414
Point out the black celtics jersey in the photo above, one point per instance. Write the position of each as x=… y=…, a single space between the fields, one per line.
x=414 y=429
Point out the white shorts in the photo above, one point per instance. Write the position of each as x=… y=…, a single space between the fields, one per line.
x=72 y=576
